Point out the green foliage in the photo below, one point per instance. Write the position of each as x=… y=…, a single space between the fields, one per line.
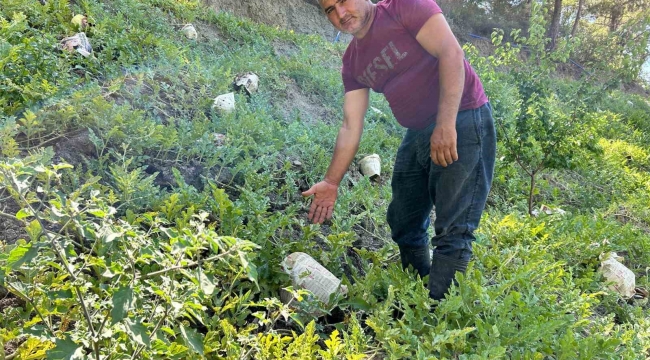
x=29 y=68
x=112 y=279
x=544 y=126
x=610 y=38
x=34 y=70
x=619 y=52
x=8 y=130
x=160 y=242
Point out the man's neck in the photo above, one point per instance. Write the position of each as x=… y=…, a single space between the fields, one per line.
x=366 y=27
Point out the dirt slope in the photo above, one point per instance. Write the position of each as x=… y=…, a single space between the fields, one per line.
x=303 y=16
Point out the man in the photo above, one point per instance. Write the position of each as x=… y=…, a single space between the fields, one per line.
x=406 y=50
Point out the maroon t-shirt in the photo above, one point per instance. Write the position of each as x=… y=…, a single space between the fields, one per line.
x=390 y=60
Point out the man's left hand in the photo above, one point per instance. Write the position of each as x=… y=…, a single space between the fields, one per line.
x=443 y=145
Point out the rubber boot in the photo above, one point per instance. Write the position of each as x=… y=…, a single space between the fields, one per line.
x=417 y=257
x=443 y=272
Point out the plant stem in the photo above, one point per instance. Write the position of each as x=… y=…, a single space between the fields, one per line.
x=8 y=216
x=31 y=302
x=101 y=327
x=530 y=195
x=187 y=266
x=141 y=347
x=89 y=320
x=55 y=248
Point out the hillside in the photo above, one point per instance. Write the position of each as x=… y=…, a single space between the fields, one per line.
x=137 y=221
x=302 y=16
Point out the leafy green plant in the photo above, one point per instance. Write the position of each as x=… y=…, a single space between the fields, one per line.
x=541 y=130
x=162 y=270
x=8 y=131
x=97 y=272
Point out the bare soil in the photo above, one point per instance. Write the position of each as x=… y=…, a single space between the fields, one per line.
x=10 y=230
x=74 y=148
x=302 y=16
x=11 y=346
x=10 y=302
x=299 y=103
x=285 y=49
x=207 y=31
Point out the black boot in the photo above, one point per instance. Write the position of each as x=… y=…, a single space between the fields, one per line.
x=419 y=257
x=443 y=272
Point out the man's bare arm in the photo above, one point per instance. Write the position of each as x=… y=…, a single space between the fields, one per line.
x=436 y=37
x=355 y=105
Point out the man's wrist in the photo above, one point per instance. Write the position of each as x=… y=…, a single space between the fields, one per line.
x=446 y=121
x=331 y=181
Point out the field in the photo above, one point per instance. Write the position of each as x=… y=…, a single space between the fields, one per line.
x=136 y=221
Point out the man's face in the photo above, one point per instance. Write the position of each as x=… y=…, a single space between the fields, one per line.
x=348 y=16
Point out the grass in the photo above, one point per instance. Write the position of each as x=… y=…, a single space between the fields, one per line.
x=144 y=100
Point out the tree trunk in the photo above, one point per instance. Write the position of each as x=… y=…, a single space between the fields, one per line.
x=615 y=19
x=578 y=16
x=555 y=24
x=531 y=193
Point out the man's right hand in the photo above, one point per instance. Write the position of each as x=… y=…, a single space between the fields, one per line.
x=355 y=105
x=323 y=203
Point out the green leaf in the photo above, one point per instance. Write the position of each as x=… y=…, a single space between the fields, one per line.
x=60 y=294
x=20 y=288
x=357 y=303
x=130 y=216
x=193 y=340
x=23 y=213
x=37 y=330
x=97 y=212
x=252 y=273
x=65 y=350
x=137 y=331
x=34 y=230
x=112 y=236
x=17 y=253
x=207 y=284
x=62 y=166
x=22 y=254
x=108 y=273
x=122 y=301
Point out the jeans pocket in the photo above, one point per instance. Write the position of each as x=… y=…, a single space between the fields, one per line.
x=406 y=157
x=468 y=134
x=468 y=127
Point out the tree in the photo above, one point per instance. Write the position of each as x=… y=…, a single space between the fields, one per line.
x=615 y=11
x=615 y=42
x=555 y=24
x=578 y=17
x=541 y=127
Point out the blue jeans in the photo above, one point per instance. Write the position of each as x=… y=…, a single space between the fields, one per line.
x=459 y=191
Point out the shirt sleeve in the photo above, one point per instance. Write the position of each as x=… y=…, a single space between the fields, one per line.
x=412 y=14
x=349 y=82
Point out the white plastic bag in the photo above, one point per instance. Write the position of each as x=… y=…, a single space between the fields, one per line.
x=250 y=81
x=622 y=278
x=79 y=43
x=189 y=31
x=370 y=165
x=307 y=273
x=225 y=102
